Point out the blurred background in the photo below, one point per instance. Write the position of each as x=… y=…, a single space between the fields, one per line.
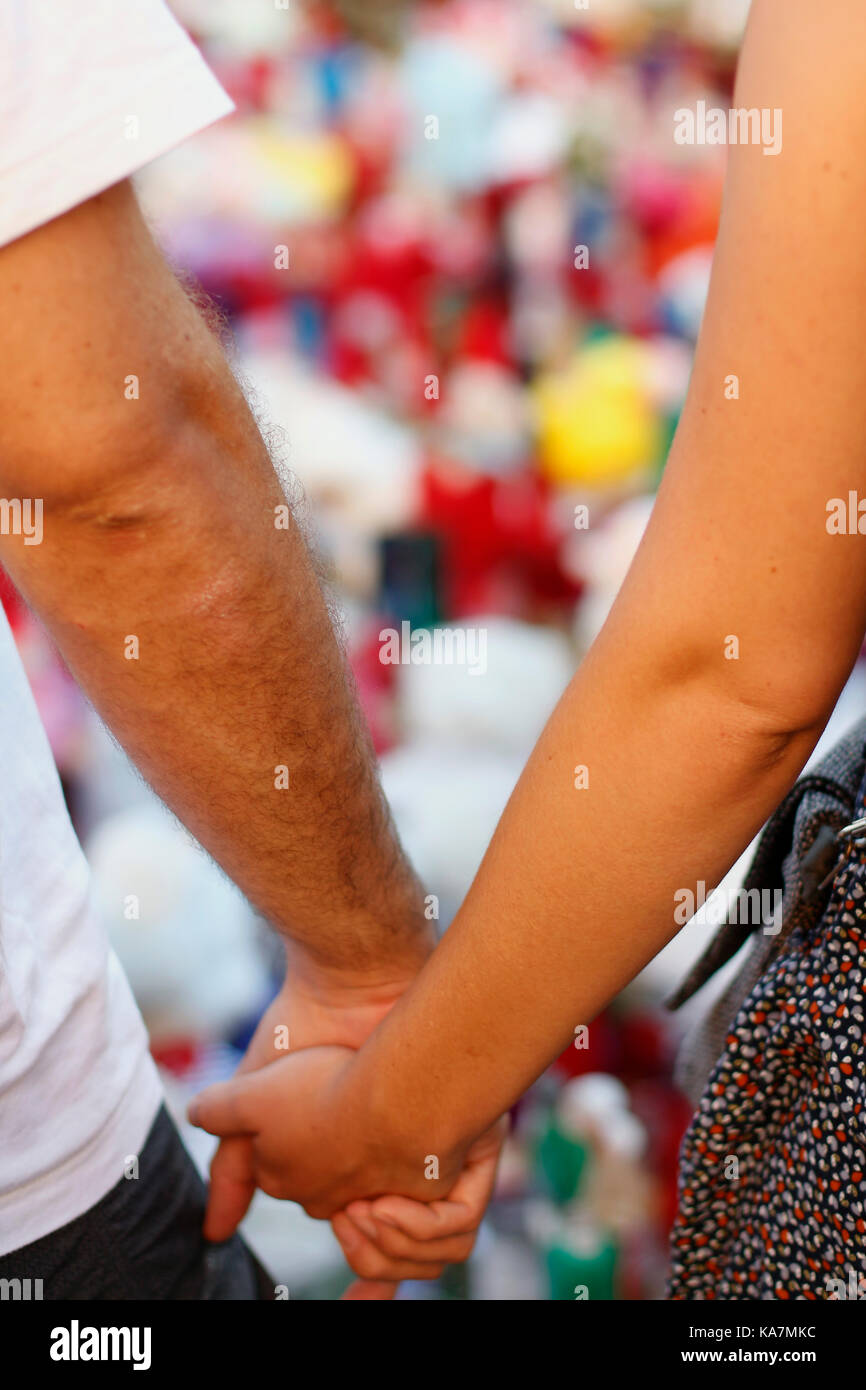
x=463 y=263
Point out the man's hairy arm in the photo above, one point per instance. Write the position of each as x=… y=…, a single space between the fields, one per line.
x=160 y=525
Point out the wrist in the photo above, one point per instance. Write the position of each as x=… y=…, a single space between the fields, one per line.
x=393 y=1154
x=411 y=1117
x=376 y=981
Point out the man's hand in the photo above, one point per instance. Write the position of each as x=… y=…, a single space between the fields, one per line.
x=394 y=1238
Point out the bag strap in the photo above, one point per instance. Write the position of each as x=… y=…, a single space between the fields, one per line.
x=773 y=847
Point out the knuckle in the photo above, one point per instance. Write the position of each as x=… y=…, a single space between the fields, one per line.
x=369 y=1264
x=393 y=1242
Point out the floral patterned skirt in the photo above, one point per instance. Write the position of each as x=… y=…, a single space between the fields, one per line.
x=773 y=1166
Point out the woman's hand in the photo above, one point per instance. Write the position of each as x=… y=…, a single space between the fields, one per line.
x=313 y=1008
x=394 y=1238
x=295 y=1129
x=310 y=1138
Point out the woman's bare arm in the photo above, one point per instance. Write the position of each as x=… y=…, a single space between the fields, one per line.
x=687 y=751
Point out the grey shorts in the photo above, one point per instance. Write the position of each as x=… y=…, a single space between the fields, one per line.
x=143 y=1240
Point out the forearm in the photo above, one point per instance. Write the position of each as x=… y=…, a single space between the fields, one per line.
x=736 y=628
x=577 y=891
x=574 y=897
x=198 y=627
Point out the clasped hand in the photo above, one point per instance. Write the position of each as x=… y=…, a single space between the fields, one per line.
x=293 y=1124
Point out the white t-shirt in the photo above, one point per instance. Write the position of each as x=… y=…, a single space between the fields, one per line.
x=89 y=92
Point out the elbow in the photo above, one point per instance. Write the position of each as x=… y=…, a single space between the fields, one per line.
x=104 y=468
x=781 y=712
x=116 y=457
x=769 y=703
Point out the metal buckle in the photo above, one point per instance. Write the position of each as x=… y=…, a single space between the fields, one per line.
x=854 y=833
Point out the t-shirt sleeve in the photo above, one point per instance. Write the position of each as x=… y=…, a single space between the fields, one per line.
x=90 y=92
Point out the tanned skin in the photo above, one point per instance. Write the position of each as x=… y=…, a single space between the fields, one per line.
x=688 y=750
x=167 y=535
